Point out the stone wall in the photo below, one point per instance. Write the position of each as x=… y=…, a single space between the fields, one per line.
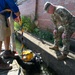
x=44 y=18
x=44 y=22
x=27 y=8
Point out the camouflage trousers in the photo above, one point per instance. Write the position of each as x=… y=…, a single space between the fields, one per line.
x=64 y=32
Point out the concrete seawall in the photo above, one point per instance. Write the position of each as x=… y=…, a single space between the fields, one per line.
x=66 y=67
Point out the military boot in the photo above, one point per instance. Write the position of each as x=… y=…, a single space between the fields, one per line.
x=54 y=48
x=62 y=57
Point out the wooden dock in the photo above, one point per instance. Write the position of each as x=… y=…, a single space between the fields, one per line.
x=66 y=67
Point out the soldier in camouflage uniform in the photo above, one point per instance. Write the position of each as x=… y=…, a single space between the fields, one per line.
x=64 y=26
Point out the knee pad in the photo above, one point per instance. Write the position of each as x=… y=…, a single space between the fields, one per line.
x=63 y=36
x=54 y=32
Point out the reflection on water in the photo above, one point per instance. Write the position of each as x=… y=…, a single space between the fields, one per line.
x=43 y=71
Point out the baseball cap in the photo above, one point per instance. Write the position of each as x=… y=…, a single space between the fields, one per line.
x=46 y=5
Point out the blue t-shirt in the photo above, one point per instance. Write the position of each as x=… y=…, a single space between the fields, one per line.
x=8 y=4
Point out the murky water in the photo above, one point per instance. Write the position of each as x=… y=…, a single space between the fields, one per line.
x=44 y=70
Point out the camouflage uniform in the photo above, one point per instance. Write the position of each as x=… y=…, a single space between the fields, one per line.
x=64 y=27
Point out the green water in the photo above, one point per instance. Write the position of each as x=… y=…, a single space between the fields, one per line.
x=44 y=69
x=18 y=46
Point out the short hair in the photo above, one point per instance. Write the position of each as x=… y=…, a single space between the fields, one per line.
x=46 y=5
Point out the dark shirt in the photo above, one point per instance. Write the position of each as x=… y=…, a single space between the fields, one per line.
x=8 y=4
